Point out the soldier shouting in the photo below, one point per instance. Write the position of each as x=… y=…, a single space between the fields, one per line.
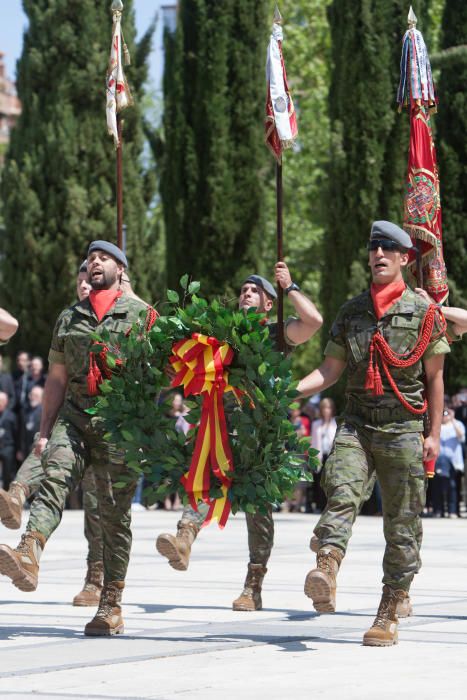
x=70 y=439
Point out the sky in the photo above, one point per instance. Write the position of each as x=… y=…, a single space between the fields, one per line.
x=13 y=22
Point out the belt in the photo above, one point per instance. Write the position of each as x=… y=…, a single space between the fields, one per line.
x=381 y=415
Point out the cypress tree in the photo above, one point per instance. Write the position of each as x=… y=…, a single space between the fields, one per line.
x=210 y=183
x=58 y=184
x=368 y=138
x=452 y=128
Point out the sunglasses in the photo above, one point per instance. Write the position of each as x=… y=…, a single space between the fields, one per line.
x=383 y=243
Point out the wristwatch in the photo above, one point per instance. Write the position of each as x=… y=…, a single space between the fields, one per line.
x=292 y=288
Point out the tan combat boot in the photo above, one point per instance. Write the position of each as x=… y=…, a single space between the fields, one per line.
x=404 y=607
x=108 y=619
x=383 y=633
x=314 y=544
x=250 y=598
x=91 y=593
x=320 y=583
x=11 y=504
x=22 y=564
x=177 y=549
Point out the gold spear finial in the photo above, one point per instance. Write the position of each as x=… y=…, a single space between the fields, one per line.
x=412 y=18
x=277 y=16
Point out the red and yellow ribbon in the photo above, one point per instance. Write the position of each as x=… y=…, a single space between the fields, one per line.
x=200 y=363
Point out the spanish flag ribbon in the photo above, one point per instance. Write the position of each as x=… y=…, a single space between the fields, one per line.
x=200 y=363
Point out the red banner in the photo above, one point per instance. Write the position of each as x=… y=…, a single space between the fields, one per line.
x=422 y=211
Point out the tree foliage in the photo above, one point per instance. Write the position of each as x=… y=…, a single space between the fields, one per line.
x=210 y=183
x=452 y=128
x=58 y=184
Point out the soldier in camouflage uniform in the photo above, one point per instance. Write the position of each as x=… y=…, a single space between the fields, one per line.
x=70 y=440
x=379 y=432
x=27 y=482
x=256 y=292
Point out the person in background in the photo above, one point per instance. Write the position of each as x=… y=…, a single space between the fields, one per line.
x=450 y=460
x=7 y=385
x=20 y=378
x=323 y=431
x=31 y=422
x=8 y=438
x=302 y=425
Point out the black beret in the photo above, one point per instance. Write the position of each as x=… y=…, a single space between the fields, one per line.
x=111 y=249
x=262 y=282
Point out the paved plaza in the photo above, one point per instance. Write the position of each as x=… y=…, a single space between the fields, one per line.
x=183 y=640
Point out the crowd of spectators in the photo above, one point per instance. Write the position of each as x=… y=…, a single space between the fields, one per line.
x=21 y=393
x=447 y=490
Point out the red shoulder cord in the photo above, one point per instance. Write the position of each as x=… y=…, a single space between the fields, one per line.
x=381 y=352
x=98 y=368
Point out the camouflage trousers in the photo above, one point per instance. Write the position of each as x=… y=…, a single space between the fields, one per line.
x=31 y=474
x=260 y=530
x=396 y=458
x=76 y=443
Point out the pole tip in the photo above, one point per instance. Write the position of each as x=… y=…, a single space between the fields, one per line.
x=117 y=6
x=277 y=16
x=412 y=18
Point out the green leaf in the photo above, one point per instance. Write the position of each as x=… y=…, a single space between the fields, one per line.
x=184 y=281
x=173 y=296
x=193 y=287
x=127 y=435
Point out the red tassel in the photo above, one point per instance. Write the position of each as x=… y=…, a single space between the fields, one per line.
x=378 y=385
x=94 y=376
x=370 y=373
x=370 y=378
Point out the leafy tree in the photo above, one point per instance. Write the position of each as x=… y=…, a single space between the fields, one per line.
x=58 y=184
x=210 y=184
x=452 y=127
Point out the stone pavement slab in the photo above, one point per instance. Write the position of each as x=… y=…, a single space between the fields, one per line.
x=183 y=640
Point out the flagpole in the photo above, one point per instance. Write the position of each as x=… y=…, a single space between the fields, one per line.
x=119 y=159
x=412 y=23
x=117 y=9
x=280 y=255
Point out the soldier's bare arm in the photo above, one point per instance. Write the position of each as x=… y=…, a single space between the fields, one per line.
x=54 y=395
x=8 y=325
x=435 y=396
x=325 y=376
x=309 y=318
x=457 y=316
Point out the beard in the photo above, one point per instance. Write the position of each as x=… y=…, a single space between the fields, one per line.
x=105 y=281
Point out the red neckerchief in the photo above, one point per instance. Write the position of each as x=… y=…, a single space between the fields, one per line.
x=385 y=295
x=102 y=300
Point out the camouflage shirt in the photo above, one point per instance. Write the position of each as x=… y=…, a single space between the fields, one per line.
x=350 y=339
x=71 y=341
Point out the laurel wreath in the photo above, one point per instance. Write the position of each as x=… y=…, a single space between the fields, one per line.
x=269 y=458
